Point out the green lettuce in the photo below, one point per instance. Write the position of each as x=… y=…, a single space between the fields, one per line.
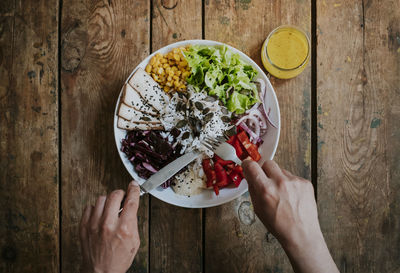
x=221 y=73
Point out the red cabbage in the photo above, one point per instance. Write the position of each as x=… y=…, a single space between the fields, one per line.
x=149 y=151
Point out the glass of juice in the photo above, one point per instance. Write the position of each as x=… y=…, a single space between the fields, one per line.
x=286 y=52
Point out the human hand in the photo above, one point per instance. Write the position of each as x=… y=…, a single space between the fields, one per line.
x=285 y=204
x=110 y=240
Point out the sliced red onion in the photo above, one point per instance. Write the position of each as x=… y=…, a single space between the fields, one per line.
x=256 y=113
x=262 y=110
x=255 y=106
x=149 y=167
x=262 y=88
x=253 y=136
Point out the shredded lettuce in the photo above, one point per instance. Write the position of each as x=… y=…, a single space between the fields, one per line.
x=220 y=72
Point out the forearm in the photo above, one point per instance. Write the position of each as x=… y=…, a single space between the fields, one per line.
x=311 y=256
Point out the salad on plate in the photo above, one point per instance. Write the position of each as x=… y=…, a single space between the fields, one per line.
x=179 y=98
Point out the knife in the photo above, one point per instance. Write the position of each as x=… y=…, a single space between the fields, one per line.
x=167 y=172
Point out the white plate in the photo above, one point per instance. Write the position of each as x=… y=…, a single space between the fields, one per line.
x=207 y=198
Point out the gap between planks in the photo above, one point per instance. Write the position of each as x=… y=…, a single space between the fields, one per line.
x=314 y=122
x=59 y=117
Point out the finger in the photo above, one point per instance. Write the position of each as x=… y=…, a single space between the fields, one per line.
x=272 y=170
x=84 y=222
x=97 y=212
x=255 y=176
x=287 y=173
x=83 y=232
x=112 y=206
x=129 y=213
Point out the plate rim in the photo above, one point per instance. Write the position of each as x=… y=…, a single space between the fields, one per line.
x=177 y=44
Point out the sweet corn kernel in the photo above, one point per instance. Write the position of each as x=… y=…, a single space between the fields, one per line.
x=176 y=57
x=148 y=68
x=170 y=70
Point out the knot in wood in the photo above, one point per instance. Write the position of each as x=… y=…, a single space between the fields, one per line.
x=246 y=213
x=169 y=4
x=73 y=47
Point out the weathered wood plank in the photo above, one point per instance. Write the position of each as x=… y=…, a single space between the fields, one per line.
x=237 y=234
x=29 y=212
x=358 y=134
x=102 y=41
x=176 y=233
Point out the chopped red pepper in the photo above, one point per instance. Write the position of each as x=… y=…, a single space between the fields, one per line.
x=221 y=161
x=236 y=176
x=239 y=151
x=229 y=166
x=216 y=189
x=222 y=177
x=209 y=171
x=251 y=148
x=231 y=139
x=223 y=173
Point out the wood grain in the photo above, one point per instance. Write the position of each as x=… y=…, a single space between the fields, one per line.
x=359 y=135
x=101 y=42
x=29 y=237
x=237 y=241
x=175 y=233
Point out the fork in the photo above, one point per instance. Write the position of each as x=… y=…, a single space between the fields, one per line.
x=223 y=149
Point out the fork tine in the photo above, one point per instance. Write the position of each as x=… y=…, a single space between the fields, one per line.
x=221 y=139
x=207 y=146
x=212 y=144
x=212 y=140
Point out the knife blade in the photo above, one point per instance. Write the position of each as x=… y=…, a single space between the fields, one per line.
x=168 y=171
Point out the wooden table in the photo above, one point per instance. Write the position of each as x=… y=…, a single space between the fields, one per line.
x=62 y=64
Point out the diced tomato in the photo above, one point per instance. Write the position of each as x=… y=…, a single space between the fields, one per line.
x=209 y=171
x=222 y=177
x=251 y=148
